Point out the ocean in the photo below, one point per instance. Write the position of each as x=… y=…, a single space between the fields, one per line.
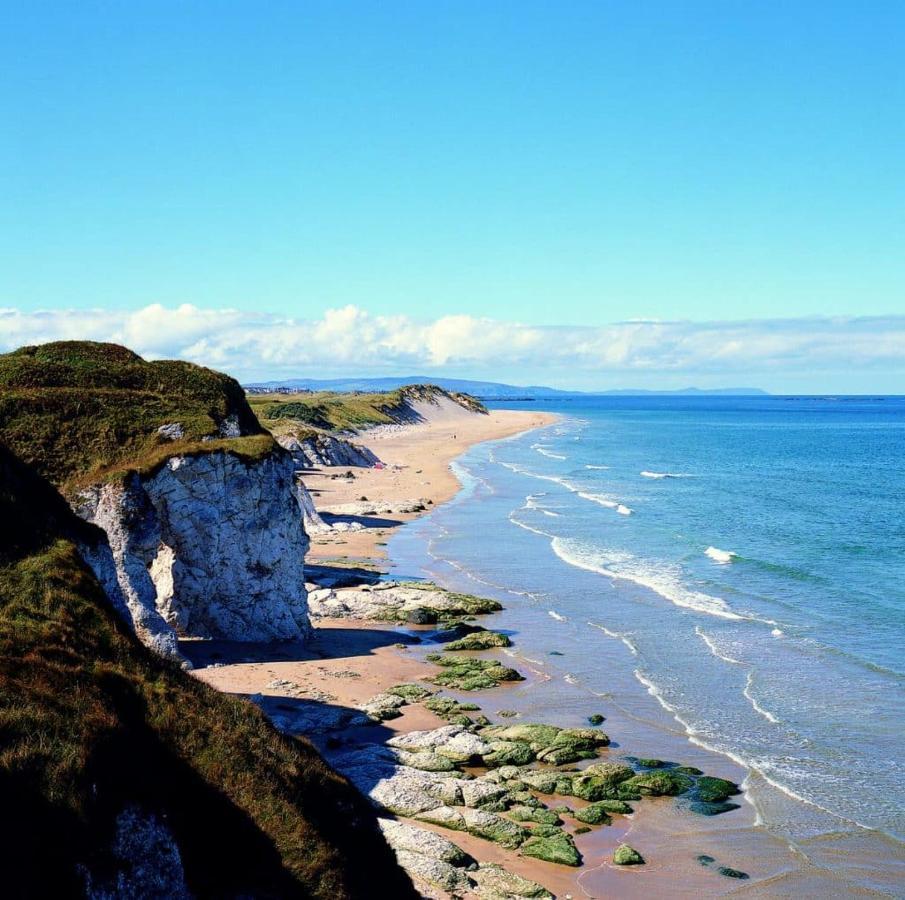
x=729 y=569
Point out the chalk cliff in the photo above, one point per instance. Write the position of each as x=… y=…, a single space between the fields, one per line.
x=198 y=503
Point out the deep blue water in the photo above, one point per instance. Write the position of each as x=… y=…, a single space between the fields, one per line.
x=747 y=553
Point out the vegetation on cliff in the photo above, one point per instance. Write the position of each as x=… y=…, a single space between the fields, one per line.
x=81 y=411
x=92 y=724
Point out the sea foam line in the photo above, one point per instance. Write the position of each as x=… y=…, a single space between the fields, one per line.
x=713 y=648
x=752 y=700
x=540 y=448
x=616 y=636
x=605 y=501
x=647 y=474
x=676 y=594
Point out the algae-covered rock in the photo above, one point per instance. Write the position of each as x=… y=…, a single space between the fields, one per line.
x=713 y=790
x=479 y=640
x=705 y=860
x=538 y=815
x=590 y=787
x=596 y=719
x=594 y=814
x=615 y=806
x=452 y=741
x=426 y=761
x=383 y=706
x=651 y=763
x=687 y=770
x=556 y=848
x=582 y=829
x=411 y=693
x=660 y=784
x=538 y=736
x=610 y=772
x=401 y=836
x=471 y=674
x=624 y=855
x=542 y=781
x=481 y=793
x=494 y=828
x=493 y=882
x=508 y=753
x=448 y=708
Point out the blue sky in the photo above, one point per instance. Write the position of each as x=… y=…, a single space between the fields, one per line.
x=546 y=164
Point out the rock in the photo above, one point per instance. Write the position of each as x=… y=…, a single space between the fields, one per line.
x=426 y=761
x=479 y=640
x=401 y=836
x=452 y=741
x=594 y=814
x=383 y=706
x=481 y=793
x=687 y=770
x=391 y=601
x=705 y=860
x=421 y=616
x=540 y=816
x=172 y=431
x=732 y=873
x=212 y=543
x=615 y=806
x=410 y=692
x=651 y=763
x=582 y=829
x=612 y=773
x=556 y=848
x=551 y=744
x=542 y=781
x=596 y=719
x=508 y=753
x=659 y=784
x=624 y=855
x=713 y=790
x=326 y=450
x=493 y=882
x=472 y=674
x=434 y=872
x=448 y=709
x=591 y=787
x=478 y=822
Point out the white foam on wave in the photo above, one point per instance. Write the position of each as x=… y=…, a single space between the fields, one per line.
x=720 y=556
x=777 y=632
x=553 y=614
x=616 y=636
x=531 y=503
x=596 y=467
x=753 y=701
x=602 y=500
x=599 y=499
x=540 y=448
x=569 y=678
x=711 y=645
x=647 y=474
x=529 y=528
x=660 y=579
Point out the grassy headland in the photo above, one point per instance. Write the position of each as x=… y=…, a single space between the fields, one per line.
x=80 y=411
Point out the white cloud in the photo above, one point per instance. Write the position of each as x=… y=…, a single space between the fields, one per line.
x=351 y=339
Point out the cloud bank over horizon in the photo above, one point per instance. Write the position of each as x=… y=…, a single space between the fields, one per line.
x=778 y=354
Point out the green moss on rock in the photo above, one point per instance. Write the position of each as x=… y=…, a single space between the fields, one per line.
x=659 y=784
x=556 y=848
x=479 y=640
x=624 y=855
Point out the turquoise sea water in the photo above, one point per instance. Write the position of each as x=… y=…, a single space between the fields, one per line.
x=742 y=560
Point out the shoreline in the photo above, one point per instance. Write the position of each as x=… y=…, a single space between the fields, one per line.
x=351 y=660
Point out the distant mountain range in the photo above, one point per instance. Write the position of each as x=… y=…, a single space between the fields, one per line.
x=484 y=390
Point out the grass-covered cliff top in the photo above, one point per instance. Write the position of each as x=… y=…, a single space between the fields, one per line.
x=79 y=411
x=91 y=723
x=332 y=411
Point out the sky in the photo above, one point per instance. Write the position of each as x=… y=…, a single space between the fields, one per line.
x=583 y=194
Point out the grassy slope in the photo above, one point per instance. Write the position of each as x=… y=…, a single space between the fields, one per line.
x=81 y=411
x=91 y=721
x=332 y=411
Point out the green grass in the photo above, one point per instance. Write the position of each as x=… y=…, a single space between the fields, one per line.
x=81 y=411
x=331 y=411
x=91 y=722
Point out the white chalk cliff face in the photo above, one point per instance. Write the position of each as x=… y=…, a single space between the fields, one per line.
x=208 y=546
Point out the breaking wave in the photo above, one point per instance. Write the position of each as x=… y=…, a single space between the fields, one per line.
x=720 y=556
